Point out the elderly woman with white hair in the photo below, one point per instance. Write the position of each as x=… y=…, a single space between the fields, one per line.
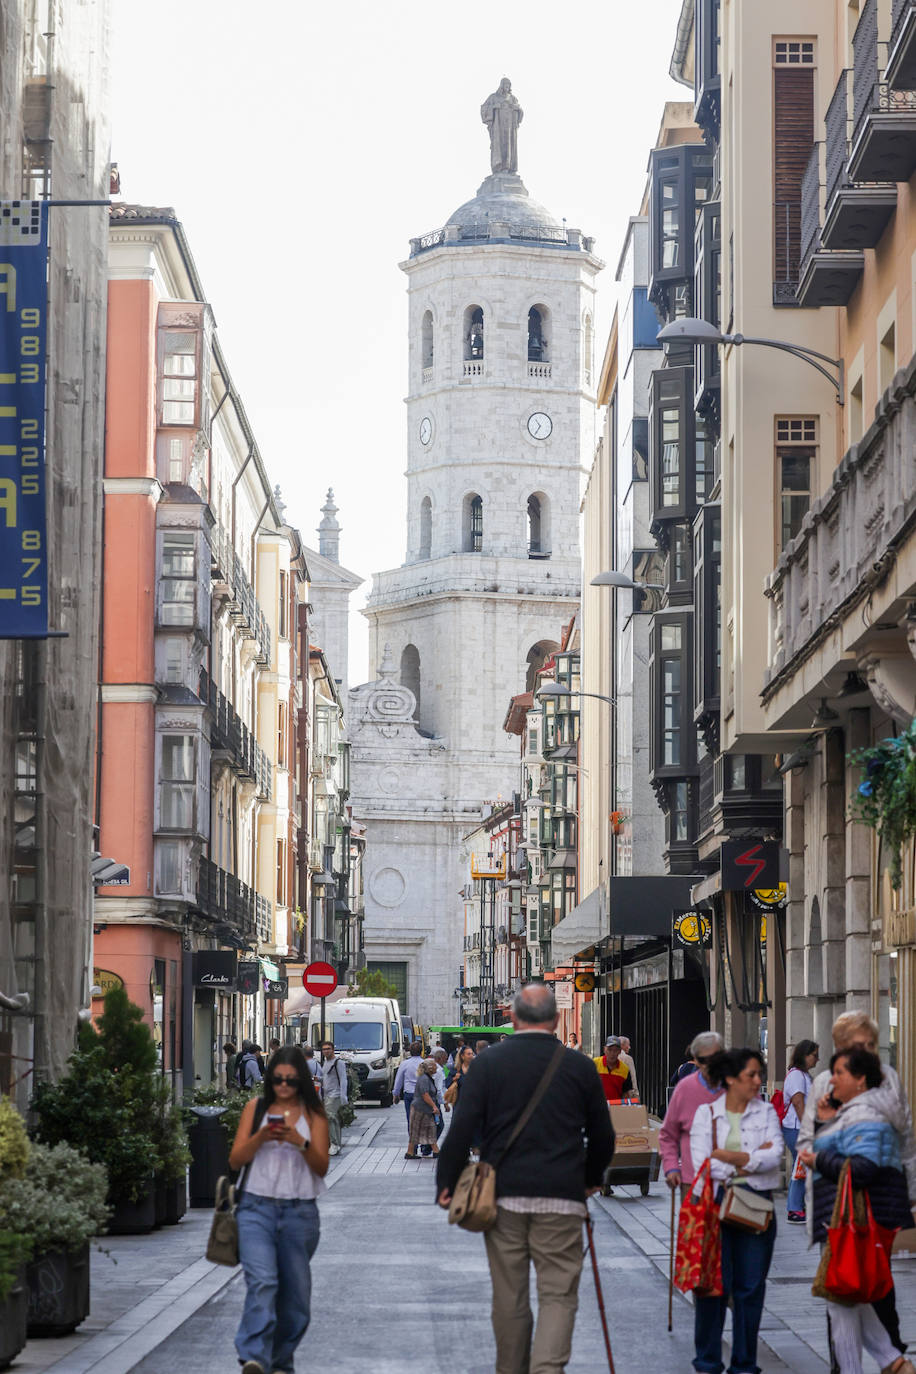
x=424 y=1111
x=690 y=1094
x=857 y=1030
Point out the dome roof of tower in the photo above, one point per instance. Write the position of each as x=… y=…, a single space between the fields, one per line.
x=502 y=212
x=503 y=198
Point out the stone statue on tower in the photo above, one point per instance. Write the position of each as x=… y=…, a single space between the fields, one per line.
x=502 y=115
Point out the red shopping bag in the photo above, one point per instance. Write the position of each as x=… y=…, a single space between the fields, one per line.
x=698 y=1259
x=859 y=1268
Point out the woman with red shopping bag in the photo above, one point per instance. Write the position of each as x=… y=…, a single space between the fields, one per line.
x=859 y=1199
x=739 y=1135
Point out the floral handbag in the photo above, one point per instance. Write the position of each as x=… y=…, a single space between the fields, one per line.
x=698 y=1259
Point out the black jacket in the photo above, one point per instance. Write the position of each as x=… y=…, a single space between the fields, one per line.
x=565 y=1147
x=886 y=1187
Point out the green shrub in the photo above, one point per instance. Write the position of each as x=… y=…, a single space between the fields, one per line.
x=215 y=1096
x=14 y=1141
x=15 y=1250
x=59 y=1204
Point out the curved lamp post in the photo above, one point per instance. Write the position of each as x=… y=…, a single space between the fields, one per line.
x=555 y=690
x=700 y=332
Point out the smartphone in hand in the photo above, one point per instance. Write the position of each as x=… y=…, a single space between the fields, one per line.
x=275 y=1120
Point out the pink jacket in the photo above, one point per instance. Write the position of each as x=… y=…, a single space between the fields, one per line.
x=674 y=1137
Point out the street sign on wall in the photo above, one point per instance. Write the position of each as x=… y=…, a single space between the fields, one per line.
x=23 y=311
x=563 y=992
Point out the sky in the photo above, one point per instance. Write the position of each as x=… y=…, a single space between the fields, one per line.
x=302 y=145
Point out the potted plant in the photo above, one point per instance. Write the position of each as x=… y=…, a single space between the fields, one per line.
x=174 y=1158
x=108 y=1107
x=58 y=1206
x=15 y=1248
x=885 y=798
x=14 y=1295
x=211 y=1116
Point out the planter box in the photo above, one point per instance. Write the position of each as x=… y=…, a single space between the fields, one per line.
x=159 y=1192
x=133 y=1218
x=58 y=1284
x=176 y=1201
x=14 y=1317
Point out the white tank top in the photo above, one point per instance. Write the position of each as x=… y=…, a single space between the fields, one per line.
x=282 y=1171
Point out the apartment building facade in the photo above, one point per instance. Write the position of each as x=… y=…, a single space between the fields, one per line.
x=204 y=588
x=56 y=143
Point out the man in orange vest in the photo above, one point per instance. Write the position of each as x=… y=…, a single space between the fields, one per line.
x=616 y=1079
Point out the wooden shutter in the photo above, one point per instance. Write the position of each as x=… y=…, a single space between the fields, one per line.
x=793 y=137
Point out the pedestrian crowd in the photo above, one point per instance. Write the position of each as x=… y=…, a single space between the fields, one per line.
x=531 y=1139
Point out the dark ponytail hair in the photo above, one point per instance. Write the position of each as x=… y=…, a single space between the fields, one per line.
x=292 y=1056
x=801 y=1052
x=730 y=1064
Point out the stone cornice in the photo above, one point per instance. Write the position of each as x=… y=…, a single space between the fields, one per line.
x=129 y=693
x=132 y=486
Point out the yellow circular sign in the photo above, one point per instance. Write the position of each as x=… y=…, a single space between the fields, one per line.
x=770 y=898
x=691 y=928
x=585 y=982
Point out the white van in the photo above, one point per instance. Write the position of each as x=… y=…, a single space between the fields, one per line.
x=366 y=1031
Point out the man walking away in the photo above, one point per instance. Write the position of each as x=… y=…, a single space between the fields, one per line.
x=692 y=1092
x=627 y=1058
x=615 y=1076
x=334 y=1088
x=314 y=1066
x=541 y=1183
x=231 y=1053
x=247 y=1071
x=406 y=1078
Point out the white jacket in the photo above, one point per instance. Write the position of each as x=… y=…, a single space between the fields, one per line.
x=761 y=1138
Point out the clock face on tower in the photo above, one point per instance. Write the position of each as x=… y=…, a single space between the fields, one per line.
x=540 y=426
x=426 y=430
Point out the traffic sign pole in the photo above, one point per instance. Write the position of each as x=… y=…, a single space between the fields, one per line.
x=320 y=980
x=323 y=1000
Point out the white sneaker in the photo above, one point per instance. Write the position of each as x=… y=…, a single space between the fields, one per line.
x=334 y=1150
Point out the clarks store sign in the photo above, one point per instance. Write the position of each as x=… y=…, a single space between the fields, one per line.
x=214 y=968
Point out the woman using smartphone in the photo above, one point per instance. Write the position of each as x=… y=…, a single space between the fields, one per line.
x=282 y=1147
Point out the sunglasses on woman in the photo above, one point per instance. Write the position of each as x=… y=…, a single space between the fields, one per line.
x=278 y=1078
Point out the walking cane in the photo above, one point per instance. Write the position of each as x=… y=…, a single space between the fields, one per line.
x=600 y=1295
x=671 y=1266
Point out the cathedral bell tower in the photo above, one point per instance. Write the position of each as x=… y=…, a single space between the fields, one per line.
x=501 y=426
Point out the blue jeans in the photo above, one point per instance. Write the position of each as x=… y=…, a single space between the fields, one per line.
x=408 y=1103
x=746 y=1257
x=277 y=1238
x=796 y=1199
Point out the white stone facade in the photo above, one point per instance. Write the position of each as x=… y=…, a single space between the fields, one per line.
x=466 y=610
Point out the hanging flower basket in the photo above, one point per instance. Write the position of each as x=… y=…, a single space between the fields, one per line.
x=885 y=798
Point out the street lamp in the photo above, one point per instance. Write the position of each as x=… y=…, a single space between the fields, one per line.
x=556 y=690
x=701 y=332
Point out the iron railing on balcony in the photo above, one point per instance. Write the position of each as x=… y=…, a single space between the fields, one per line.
x=836 y=135
x=811 y=205
x=230 y=734
x=224 y=898
x=898 y=16
x=227 y=567
x=865 y=62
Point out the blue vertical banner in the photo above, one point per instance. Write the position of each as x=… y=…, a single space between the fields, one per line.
x=23 y=338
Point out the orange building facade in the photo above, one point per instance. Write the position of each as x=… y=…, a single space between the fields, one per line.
x=204 y=608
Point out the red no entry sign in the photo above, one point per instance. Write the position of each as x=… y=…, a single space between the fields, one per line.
x=319 y=980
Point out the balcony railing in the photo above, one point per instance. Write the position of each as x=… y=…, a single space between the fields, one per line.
x=244 y=608
x=229 y=734
x=855 y=213
x=825 y=277
x=901 y=56
x=847 y=538
x=225 y=899
x=883 y=145
x=539 y=371
x=472 y=369
x=428 y=375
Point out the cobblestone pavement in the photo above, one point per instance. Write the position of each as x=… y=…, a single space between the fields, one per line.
x=396 y=1289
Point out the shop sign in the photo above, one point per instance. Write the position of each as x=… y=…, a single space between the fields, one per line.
x=248 y=980
x=692 y=929
x=276 y=987
x=214 y=968
x=751 y=864
x=770 y=898
x=585 y=981
x=23 y=314
x=269 y=969
x=106 y=980
x=564 y=994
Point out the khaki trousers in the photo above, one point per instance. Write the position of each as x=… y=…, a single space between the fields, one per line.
x=332 y=1109
x=555 y=1244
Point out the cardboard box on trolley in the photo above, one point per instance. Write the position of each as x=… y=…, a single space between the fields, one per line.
x=636 y=1145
